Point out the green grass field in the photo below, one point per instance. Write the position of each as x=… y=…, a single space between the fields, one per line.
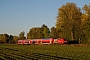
x=44 y=52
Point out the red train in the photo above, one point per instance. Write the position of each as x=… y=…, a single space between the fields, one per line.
x=43 y=41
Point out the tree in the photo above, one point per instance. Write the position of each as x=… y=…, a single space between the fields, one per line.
x=38 y=32
x=15 y=39
x=86 y=23
x=53 y=33
x=31 y=34
x=5 y=38
x=34 y=33
x=10 y=39
x=21 y=35
x=28 y=35
x=69 y=21
x=1 y=38
x=45 y=31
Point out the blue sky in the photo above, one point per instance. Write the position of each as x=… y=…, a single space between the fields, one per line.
x=21 y=15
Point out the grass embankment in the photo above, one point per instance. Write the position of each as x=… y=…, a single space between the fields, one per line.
x=79 y=52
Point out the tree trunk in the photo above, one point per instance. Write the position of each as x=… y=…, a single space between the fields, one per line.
x=72 y=35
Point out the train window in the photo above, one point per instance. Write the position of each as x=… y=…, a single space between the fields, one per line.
x=19 y=41
x=26 y=42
